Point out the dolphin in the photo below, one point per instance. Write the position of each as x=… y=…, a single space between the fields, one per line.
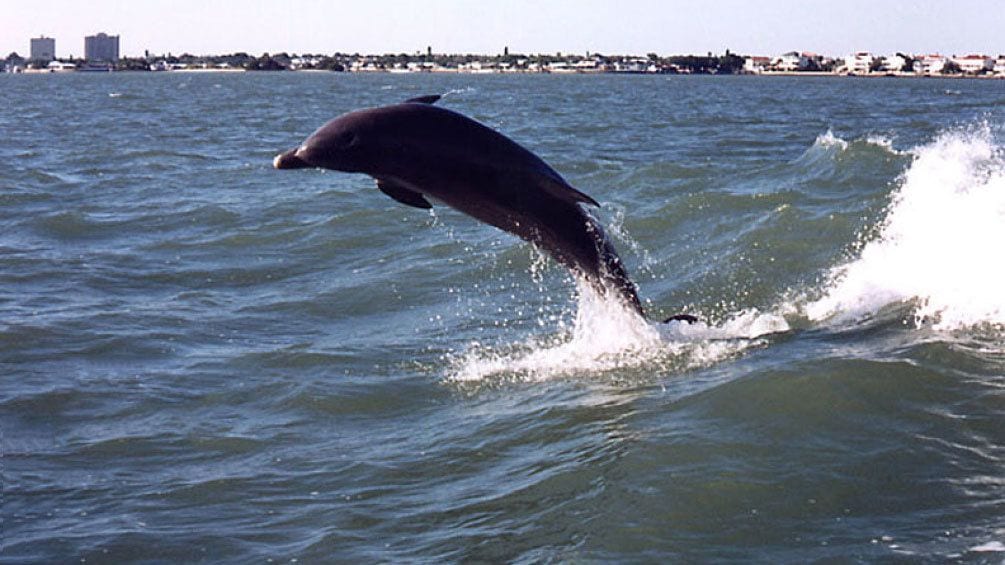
x=416 y=151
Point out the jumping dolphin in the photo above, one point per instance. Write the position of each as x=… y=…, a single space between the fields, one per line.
x=417 y=150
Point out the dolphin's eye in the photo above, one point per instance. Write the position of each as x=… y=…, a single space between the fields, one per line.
x=349 y=139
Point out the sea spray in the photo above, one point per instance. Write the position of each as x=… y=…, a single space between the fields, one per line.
x=605 y=336
x=940 y=245
x=602 y=335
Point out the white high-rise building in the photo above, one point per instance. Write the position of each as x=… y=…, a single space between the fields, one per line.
x=101 y=47
x=43 y=49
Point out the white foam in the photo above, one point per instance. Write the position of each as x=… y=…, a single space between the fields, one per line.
x=991 y=546
x=605 y=336
x=746 y=324
x=828 y=140
x=940 y=245
x=602 y=330
x=830 y=143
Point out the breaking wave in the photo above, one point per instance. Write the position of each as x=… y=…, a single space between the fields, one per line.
x=937 y=252
x=940 y=245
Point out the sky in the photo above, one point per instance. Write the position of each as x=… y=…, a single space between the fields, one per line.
x=669 y=27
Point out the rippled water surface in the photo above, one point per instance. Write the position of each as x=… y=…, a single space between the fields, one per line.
x=206 y=359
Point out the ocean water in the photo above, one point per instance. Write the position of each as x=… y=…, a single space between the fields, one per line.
x=208 y=360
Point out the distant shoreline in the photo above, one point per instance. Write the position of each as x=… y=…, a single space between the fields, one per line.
x=817 y=74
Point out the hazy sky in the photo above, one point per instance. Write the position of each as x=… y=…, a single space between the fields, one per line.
x=759 y=27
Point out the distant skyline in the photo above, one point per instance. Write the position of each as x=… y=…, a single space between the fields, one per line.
x=768 y=27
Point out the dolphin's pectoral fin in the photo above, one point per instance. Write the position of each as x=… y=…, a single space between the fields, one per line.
x=564 y=191
x=402 y=194
x=429 y=99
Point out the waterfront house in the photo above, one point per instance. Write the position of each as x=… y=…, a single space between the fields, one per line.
x=788 y=62
x=894 y=64
x=756 y=65
x=304 y=62
x=631 y=66
x=365 y=65
x=999 y=66
x=424 y=67
x=810 y=61
x=974 y=64
x=479 y=67
x=587 y=65
x=796 y=61
x=859 y=63
x=929 y=64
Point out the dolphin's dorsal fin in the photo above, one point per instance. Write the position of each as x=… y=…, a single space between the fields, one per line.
x=428 y=99
x=402 y=194
x=566 y=192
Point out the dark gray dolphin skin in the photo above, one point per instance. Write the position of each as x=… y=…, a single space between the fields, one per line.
x=416 y=150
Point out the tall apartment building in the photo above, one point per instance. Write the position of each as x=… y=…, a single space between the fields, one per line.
x=101 y=47
x=43 y=48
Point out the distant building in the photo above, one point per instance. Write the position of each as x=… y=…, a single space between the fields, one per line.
x=588 y=65
x=636 y=65
x=101 y=48
x=859 y=63
x=929 y=64
x=755 y=64
x=974 y=64
x=43 y=49
x=14 y=63
x=796 y=61
x=895 y=63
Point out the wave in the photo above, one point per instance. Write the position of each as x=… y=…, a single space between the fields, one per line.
x=940 y=244
x=935 y=257
x=830 y=145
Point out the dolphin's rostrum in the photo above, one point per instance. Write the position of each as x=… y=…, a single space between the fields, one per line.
x=416 y=150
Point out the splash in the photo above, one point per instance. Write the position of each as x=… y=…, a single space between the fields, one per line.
x=940 y=245
x=606 y=336
x=829 y=140
x=937 y=252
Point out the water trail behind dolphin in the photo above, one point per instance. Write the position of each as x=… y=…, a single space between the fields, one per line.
x=605 y=335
